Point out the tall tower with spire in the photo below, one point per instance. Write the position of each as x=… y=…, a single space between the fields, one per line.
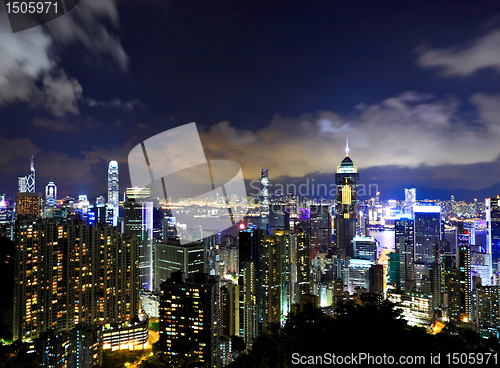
x=27 y=182
x=346 y=203
x=113 y=190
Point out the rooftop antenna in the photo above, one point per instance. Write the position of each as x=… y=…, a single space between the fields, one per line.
x=347 y=145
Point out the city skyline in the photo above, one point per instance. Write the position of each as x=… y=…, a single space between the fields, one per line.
x=282 y=98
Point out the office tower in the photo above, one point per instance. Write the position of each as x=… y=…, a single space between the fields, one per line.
x=96 y=214
x=264 y=193
x=50 y=194
x=357 y=275
x=229 y=309
x=410 y=200
x=376 y=275
x=28 y=204
x=250 y=281
x=113 y=190
x=249 y=244
x=6 y=218
x=189 y=311
x=365 y=247
x=277 y=288
x=493 y=235
x=79 y=347
x=173 y=256
x=302 y=262
x=66 y=274
x=346 y=200
x=26 y=184
x=138 y=221
x=321 y=228
x=427 y=230
x=404 y=240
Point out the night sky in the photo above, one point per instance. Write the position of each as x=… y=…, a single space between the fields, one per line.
x=275 y=84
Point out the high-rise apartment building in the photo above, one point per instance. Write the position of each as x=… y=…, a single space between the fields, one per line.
x=302 y=261
x=28 y=204
x=277 y=288
x=189 y=318
x=229 y=309
x=71 y=273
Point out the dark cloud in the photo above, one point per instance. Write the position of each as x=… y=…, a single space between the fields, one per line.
x=481 y=53
x=30 y=64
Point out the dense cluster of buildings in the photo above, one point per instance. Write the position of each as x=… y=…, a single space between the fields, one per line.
x=90 y=276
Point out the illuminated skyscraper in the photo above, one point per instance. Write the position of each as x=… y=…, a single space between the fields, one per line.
x=264 y=193
x=50 y=194
x=460 y=280
x=188 y=258
x=113 y=190
x=410 y=199
x=249 y=281
x=321 y=228
x=189 y=314
x=27 y=183
x=138 y=221
x=346 y=216
x=404 y=239
x=493 y=236
x=427 y=230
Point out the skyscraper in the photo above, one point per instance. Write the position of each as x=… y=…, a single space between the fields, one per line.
x=28 y=204
x=404 y=239
x=276 y=278
x=427 y=230
x=138 y=222
x=71 y=273
x=346 y=200
x=50 y=194
x=27 y=183
x=264 y=193
x=463 y=262
x=493 y=236
x=410 y=199
x=188 y=258
x=321 y=228
x=113 y=190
